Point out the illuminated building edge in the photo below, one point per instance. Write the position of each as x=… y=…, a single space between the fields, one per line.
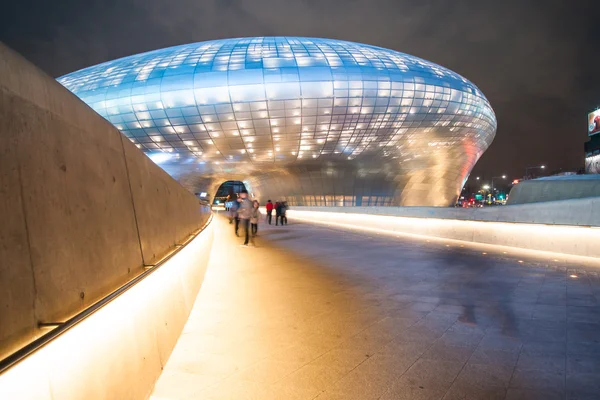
x=311 y=121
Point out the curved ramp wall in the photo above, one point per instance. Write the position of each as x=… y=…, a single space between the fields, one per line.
x=82 y=211
x=575 y=212
x=567 y=227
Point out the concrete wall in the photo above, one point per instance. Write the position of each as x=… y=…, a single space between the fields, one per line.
x=119 y=351
x=82 y=209
x=554 y=188
x=505 y=226
x=576 y=212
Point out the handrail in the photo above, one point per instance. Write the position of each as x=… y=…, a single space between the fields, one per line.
x=62 y=327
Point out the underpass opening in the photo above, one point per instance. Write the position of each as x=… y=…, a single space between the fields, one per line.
x=229 y=190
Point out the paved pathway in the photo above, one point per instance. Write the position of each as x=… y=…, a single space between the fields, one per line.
x=322 y=313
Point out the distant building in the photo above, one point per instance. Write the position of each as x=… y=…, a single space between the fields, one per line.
x=592 y=147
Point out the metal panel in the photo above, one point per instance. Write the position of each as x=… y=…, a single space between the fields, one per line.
x=265 y=106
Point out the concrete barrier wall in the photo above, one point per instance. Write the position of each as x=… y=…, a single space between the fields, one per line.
x=165 y=212
x=572 y=240
x=575 y=212
x=554 y=188
x=119 y=351
x=82 y=209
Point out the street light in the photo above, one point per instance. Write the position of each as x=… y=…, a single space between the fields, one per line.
x=484 y=189
x=536 y=167
x=496 y=177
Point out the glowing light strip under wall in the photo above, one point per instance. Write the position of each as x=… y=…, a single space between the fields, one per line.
x=119 y=351
x=577 y=244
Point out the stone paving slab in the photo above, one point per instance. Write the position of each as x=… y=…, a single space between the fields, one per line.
x=315 y=312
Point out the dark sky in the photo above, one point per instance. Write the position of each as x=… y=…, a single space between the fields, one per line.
x=537 y=61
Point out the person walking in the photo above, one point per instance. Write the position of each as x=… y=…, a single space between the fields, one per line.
x=277 y=212
x=284 y=208
x=244 y=214
x=269 y=211
x=254 y=219
x=232 y=205
x=234 y=216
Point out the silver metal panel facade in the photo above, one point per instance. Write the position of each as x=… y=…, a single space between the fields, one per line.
x=313 y=121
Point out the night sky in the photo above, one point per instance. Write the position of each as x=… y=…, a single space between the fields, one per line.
x=537 y=61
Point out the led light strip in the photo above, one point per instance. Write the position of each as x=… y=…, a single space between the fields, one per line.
x=62 y=327
x=571 y=235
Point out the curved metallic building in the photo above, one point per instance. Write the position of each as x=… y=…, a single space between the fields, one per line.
x=312 y=121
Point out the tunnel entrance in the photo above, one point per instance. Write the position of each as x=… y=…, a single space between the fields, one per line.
x=228 y=188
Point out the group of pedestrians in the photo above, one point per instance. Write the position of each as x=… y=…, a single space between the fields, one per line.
x=245 y=212
x=280 y=207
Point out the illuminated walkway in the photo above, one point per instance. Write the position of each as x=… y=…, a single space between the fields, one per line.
x=322 y=313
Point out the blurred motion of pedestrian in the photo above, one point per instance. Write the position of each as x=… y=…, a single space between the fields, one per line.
x=254 y=218
x=233 y=215
x=284 y=208
x=244 y=214
x=277 y=212
x=269 y=207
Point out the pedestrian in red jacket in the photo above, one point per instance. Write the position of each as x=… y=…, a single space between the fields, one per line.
x=269 y=211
